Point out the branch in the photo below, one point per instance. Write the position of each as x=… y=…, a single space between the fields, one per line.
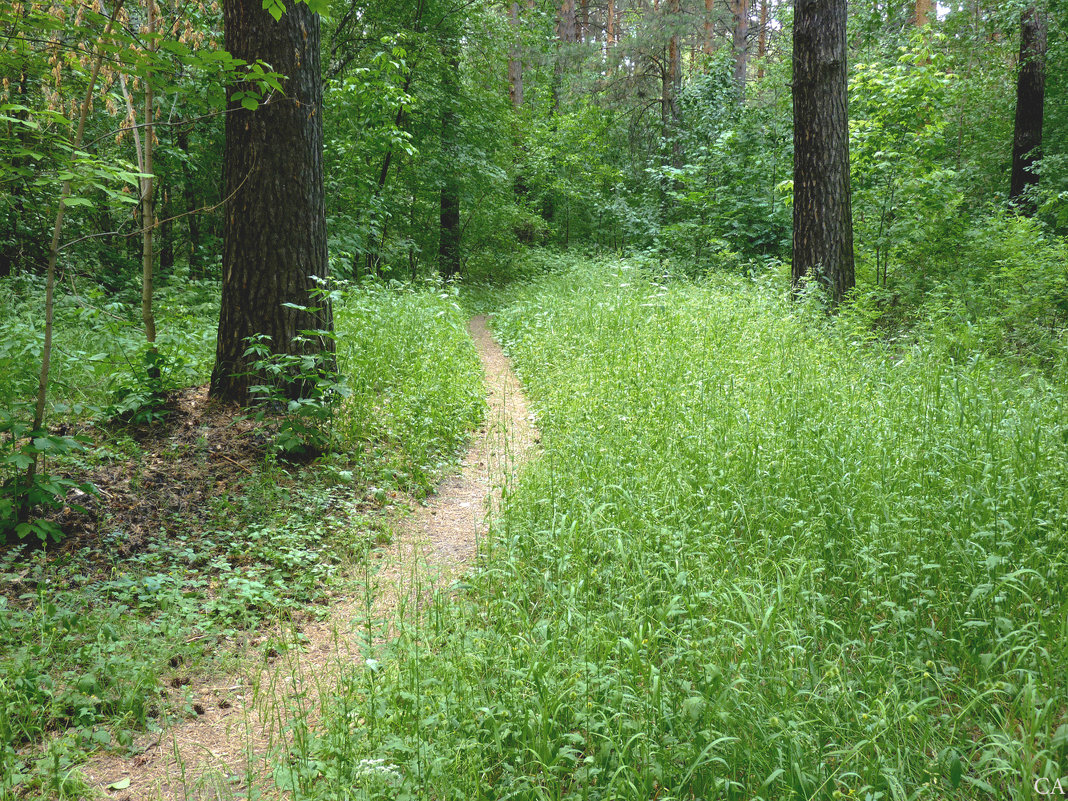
x=137 y=231
x=270 y=98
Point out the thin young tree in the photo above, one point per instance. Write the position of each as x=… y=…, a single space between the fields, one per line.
x=274 y=231
x=449 y=217
x=99 y=49
x=823 y=219
x=515 y=57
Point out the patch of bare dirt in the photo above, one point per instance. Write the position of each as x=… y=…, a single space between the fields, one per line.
x=164 y=479
x=243 y=722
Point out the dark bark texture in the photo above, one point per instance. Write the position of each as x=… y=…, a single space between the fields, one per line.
x=823 y=220
x=274 y=234
x=1030 y=100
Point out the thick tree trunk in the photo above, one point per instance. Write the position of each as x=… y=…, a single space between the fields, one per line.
x=274 y=233
x=567 y=23
x=823 y=221
x=449 y=218
x=610 y=26
x=1030 y=101
x=566 y=33
x=739 y=34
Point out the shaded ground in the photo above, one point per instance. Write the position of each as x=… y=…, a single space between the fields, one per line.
x=245 y=721
x=201 y=450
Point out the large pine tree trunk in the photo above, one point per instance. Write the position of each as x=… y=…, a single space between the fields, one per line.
x=1030 y=100
x=823 y=220
x=274 y=234
x=762 y=39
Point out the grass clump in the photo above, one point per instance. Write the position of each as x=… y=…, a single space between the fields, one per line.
x=757 y=559
x=414 y=377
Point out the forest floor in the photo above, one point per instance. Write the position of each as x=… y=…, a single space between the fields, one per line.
x=248 y=721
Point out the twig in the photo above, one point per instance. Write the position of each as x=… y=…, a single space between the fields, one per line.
x=231 y=461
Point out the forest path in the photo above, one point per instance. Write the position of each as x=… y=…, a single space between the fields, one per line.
x=244 y=722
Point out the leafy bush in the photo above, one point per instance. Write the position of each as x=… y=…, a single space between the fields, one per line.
x=906 y=201
x=1002 y=290
x=21 y=494
x=304 y=388
x=98 y=364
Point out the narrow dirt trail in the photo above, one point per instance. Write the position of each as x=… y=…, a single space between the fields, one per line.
x=226 y=751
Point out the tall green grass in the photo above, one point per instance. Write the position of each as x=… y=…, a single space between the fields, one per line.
x=415 y=380
x=757 y=559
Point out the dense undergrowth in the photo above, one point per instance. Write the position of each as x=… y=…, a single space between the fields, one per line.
x=97 y=643
x=762 y=556
x=98 y=363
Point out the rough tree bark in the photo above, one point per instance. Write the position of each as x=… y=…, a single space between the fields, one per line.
x=566 y=33
x=823 y=220
x=1030 y=101
x=923 y=9
x=274 y=234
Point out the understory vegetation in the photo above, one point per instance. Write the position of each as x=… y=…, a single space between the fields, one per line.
x=775 y=542
x=763 y=555
x=100 y=636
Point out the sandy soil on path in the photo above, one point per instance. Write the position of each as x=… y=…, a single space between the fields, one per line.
x=226 y=751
